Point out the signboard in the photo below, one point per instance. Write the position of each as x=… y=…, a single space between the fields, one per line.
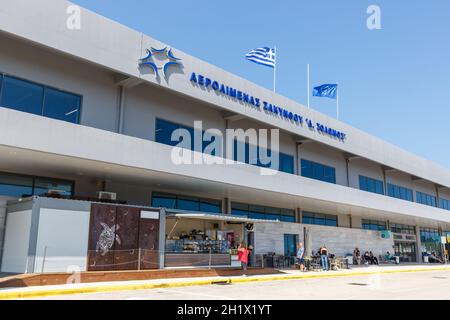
x=444 y=240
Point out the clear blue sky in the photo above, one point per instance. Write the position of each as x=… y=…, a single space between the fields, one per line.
x=394 y=82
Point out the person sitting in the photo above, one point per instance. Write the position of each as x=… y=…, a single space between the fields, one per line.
x=324 y=257
x=434 y=258
x=390 y=258
x=373 y=259
x=366 y=258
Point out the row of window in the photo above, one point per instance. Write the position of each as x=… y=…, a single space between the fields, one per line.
x=444 y=204
x=22 y=95
x=170 y=201
x=261 y=212
x=319 y=219
x=376 y=186
x=20 y=186
x=37 y=99
x=314 y=170
x=371 y=185
x=426 y=199
x=400 y=192
x=403 y=228
x=373 y=225
x=242 y=151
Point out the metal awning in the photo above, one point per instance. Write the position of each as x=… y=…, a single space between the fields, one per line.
x=216 y=217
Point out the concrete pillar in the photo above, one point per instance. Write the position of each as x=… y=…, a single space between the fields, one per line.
x=347 y=167
x=121 y=104
x=2 y=227
x=226 y=206
x=418 y=245
x=437 y=197
x=299 y=215
x=385 y=181
x=162 y=237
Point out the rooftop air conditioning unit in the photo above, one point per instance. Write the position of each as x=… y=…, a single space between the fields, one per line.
x=103 y=195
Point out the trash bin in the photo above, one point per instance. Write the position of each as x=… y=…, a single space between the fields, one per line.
x=425 y=259
x=397 y=260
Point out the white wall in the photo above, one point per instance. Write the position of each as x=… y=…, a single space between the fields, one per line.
x=17 y=237
x=66 y=235
x=342 y=241
x=269 y=237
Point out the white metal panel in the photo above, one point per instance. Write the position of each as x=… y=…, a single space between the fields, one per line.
x=17 y=237
x=63 y=240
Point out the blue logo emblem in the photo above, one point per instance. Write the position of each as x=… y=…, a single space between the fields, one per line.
x=166 y=55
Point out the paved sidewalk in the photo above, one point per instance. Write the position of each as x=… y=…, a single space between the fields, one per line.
x=80 y=288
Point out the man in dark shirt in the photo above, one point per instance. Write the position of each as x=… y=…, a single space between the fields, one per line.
x=324 y=257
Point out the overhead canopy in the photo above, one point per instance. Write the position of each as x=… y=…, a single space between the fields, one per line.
x=217 y=217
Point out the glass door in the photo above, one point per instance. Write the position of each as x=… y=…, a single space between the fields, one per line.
x=406 y=251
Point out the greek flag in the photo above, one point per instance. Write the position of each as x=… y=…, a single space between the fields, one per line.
x=265 y=56
x=326 y=91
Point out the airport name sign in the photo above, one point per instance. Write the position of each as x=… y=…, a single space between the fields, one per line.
x=257 y=103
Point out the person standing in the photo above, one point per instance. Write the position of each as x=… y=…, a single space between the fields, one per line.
x=324 y=257
x=301 y=256
x=243 y=257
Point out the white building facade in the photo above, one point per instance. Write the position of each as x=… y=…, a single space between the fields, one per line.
x=92 y=109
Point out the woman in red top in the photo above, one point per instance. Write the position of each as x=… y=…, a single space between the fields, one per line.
x=243 y=256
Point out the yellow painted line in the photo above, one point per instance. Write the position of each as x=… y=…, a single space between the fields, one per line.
x=199 y=282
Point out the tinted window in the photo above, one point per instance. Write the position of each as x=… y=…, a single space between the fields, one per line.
x=319 y=219
x=373 y=225
x=318 y=171
x=15 y=185
x=38 y=99
x=164 y=201
x=371 y=185
x=261 y=212
x=61 y=105
x=43 y=186
x=400 y=192
x=444 y=204
x=426 y=199
x=22 y=95
x=189 y=204
x=185 y=203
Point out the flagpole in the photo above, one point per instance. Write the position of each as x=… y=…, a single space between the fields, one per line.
x=275 y=70
x=308 y=80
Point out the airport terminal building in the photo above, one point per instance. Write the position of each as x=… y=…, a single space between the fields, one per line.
x=87 y=175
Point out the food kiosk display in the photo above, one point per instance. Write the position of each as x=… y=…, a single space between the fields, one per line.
x=202 y=242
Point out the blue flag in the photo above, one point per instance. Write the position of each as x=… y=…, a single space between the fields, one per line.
x=326 y=91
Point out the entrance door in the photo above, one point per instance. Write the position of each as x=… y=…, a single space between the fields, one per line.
x=290 y=244
x=406 y=251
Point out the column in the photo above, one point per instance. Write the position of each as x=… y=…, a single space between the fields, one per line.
x=418 y=245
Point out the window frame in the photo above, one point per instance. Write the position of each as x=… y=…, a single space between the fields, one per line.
x=44 y=87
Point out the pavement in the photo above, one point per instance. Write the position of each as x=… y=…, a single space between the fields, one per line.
x=369 y=275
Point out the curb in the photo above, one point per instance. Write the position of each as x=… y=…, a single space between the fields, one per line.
x=147 y=286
